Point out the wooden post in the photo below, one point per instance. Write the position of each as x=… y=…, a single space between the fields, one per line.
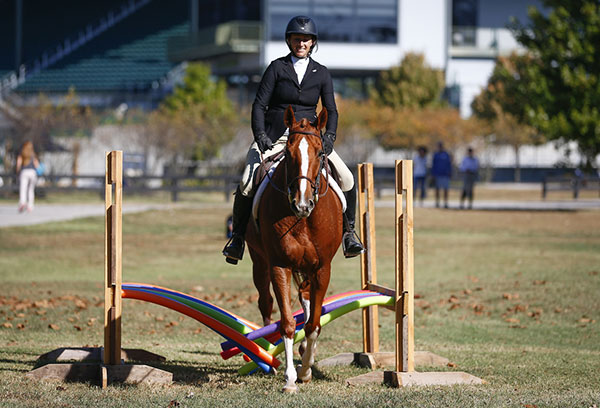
x=368 y=266
x=113 y=369
x=113 y=252
x=405 y=347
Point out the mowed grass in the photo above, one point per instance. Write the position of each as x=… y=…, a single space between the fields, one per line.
x=510 y=297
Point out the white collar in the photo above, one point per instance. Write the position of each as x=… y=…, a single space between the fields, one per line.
x=299 y=61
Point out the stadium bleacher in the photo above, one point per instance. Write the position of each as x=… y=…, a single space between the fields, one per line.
x=129 y=56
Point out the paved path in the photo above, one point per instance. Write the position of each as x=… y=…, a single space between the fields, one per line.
x=9 y=216
x=503 y=205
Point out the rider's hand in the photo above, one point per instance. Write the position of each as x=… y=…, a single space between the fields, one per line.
x=263 y=142
x=328 y=139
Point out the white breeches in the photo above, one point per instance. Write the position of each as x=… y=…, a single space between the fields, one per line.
x=27 y=181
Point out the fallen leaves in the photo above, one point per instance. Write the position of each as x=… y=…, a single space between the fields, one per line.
x=584 y=321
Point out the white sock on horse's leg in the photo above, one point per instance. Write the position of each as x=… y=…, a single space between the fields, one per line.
x=308 y=358
x=306 y=308
x=290 y=370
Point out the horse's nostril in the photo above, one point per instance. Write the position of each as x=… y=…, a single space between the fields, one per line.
x=311 y=204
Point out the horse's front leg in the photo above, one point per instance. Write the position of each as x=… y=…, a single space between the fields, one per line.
x=312 y=328
x=281 y=278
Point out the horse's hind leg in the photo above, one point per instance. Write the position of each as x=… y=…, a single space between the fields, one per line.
x=262 y=282
x=304 y=297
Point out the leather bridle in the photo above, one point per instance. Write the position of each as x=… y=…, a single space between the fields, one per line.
x=316 y=183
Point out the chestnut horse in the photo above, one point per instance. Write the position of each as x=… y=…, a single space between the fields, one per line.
x=299 y=232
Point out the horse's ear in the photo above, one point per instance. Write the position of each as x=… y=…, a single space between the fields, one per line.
x=288 y=117
x=322 y=119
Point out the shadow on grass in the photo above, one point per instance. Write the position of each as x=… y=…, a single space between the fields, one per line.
x=199 y=352
x=26 y=363
x=187 y=373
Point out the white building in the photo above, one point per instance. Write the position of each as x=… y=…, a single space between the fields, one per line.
x=357 y=38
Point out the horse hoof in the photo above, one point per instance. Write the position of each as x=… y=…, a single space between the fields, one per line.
x=304 y=377
x=305 y=380
x=231 y=261
x=290 y=389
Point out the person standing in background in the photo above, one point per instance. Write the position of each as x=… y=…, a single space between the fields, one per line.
x=27 y=165
x=441 y=170
x=469 y=167
x=420 y=172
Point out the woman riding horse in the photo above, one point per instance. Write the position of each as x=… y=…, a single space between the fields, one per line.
x=299 y=230
x=299 y=81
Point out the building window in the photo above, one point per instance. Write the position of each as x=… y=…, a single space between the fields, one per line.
x=349 y=21
x=464 y=22
x=464 y=13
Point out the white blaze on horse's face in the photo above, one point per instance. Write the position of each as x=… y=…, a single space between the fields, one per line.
x=303 y=202
x=303 y=169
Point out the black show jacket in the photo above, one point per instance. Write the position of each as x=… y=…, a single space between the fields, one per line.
x=279 y=88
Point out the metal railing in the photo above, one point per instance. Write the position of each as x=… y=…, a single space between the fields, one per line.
x=574 y=184
x=482 y=41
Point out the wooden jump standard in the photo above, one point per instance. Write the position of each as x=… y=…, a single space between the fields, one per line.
x=404 y=358
x=106 y=365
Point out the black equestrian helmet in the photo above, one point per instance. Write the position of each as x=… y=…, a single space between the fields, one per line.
x=301 y=25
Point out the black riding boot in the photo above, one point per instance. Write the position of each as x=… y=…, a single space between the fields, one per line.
x=234 y=249
x=350 y=242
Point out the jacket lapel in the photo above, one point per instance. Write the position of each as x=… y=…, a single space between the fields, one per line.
x=289 y=69
x=310 y=70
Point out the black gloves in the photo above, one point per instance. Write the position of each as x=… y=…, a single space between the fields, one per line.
x=263 y=142
x=328 y=139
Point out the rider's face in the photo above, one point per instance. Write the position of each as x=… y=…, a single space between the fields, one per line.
x=301 y=44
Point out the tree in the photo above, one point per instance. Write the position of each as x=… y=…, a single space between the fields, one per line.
x=355 y=138
x=565 y=83
x=44 y=120
x=409 y=128
x=196 y=120
x=412 y=84
x=410 y=111
x=504 y=104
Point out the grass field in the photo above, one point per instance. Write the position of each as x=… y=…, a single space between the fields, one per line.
x=511 y=297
